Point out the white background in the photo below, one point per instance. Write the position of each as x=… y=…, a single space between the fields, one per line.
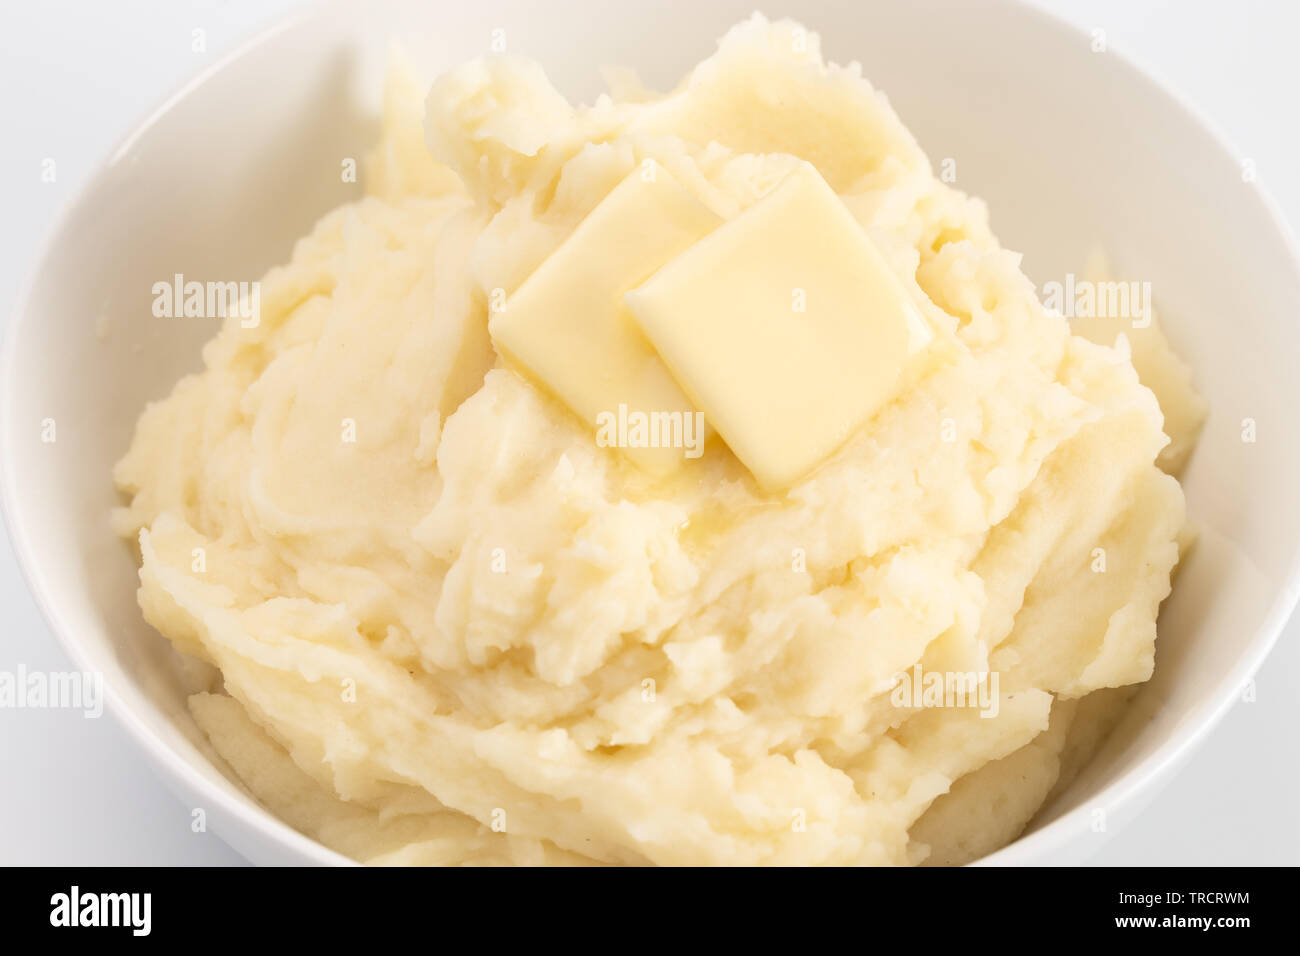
x=75 y=76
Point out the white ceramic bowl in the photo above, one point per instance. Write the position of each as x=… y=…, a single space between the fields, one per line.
x=1071 y=149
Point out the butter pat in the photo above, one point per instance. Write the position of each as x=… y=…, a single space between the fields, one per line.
x=785 y=326
x=567 y=326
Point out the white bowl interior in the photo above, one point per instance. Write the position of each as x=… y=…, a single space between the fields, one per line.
x=1072 y=149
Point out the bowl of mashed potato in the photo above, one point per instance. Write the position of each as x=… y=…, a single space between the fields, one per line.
x=626 y=437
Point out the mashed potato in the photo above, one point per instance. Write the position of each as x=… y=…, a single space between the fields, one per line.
x=446 y=627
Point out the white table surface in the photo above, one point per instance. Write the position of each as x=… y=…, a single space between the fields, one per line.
x=74 y=76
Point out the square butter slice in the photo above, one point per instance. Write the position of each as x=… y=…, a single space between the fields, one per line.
x=785 y=326
x=567 y=326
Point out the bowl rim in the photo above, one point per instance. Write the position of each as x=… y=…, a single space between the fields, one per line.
x=1157 y=770
x=175 y=771
x=1034 y=848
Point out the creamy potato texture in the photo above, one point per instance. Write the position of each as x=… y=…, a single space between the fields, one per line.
x=439 y=624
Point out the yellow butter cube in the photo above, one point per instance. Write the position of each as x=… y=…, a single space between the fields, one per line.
x=785 y=326
x=568 y=329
